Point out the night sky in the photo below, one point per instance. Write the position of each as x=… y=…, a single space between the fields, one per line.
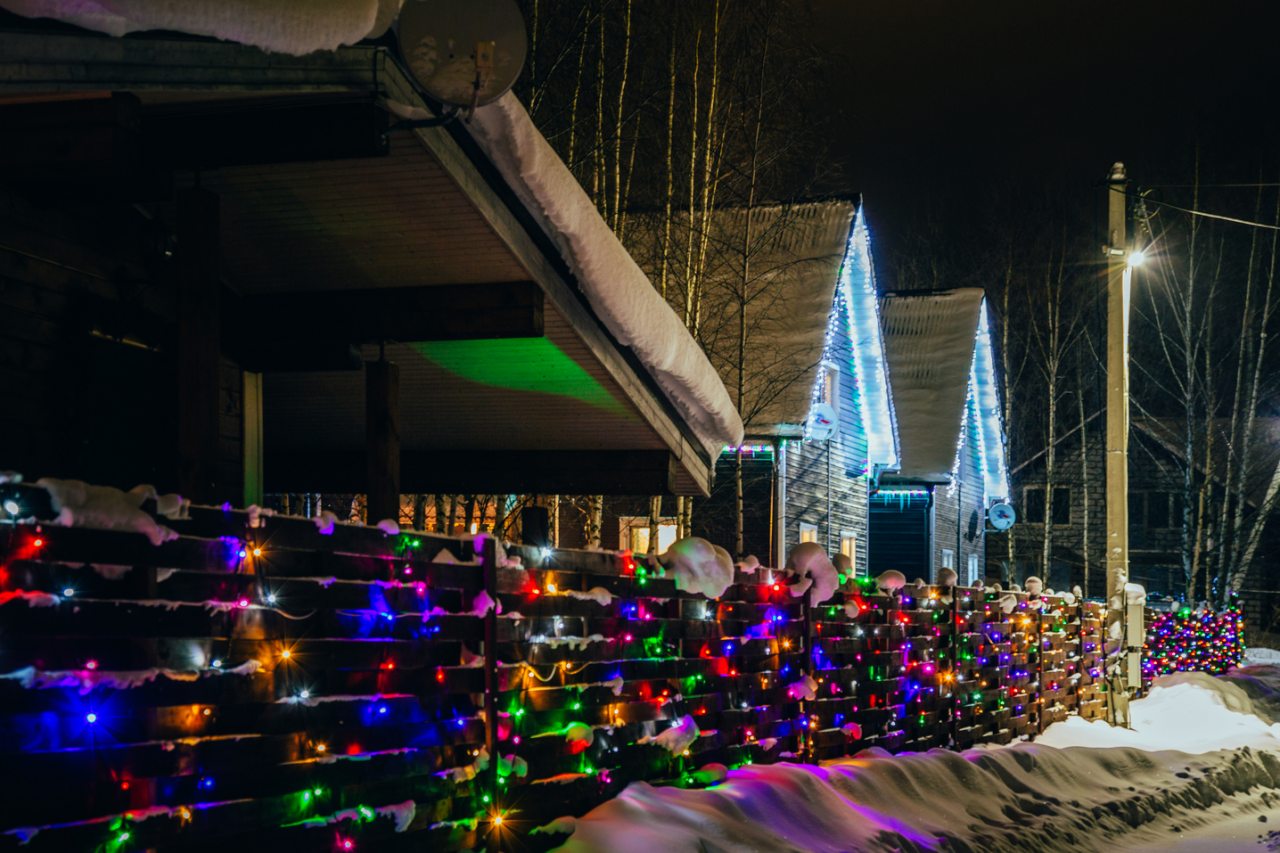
x=947 y=111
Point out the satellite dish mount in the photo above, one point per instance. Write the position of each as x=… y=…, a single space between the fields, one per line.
x=463 y=53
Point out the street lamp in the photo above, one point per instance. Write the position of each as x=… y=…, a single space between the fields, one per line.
x=1124 y=669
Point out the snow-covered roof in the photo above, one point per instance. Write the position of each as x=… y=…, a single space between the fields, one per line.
x=282 y=26
x=793 y=261
x=940 y=356
x=618 y=290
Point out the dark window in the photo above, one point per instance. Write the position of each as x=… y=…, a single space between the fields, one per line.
x=1158 y=510
x=1033 y=505
x=1137 y=510
x=1176 y=507
x=1061 y=506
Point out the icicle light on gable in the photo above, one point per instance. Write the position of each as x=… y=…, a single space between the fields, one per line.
x=858 y=289
x=986 y=402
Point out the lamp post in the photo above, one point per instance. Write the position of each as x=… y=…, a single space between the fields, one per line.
x=1124 y=667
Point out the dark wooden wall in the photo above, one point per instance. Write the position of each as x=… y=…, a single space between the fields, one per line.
x=87 y=333
x=203 y=728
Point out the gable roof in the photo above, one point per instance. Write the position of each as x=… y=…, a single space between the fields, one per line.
x=942 y=367
x=792 y=261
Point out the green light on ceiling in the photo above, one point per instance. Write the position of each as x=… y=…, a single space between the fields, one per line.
x=535 y=365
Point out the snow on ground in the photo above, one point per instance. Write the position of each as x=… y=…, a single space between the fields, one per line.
x=1201 y=769
x=1188 y=711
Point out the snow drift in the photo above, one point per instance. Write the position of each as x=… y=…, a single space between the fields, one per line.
x=1026 y=797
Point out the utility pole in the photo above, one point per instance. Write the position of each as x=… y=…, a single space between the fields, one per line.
x=1118 y=274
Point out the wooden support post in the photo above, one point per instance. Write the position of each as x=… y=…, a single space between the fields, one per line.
x=957 y=695
x=382 y=440
x=489 y=565
x=199 y=344
x=807 y=610
x=252 y=442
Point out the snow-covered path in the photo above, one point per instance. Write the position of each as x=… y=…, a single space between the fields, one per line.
x=1201 y=769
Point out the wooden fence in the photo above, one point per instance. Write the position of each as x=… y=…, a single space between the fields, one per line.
x=280 y=686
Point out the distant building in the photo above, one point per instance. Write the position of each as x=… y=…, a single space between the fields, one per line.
x=930 y=513
x=1074 y=517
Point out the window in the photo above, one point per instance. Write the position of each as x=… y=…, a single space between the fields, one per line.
x=948 y=559
x=1061 y=506
x=971 y=577
x=830 y=386
x=808 y=532
x=634 y=533
x=1164 y=510
x=1158 y=510
x=849 y=547
x=1033 y=505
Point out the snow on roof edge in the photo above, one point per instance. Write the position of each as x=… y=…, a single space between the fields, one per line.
x=283 y=27
x=618 y=290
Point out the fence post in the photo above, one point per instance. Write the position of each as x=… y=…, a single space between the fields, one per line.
x=489 y=564
x=806 y=609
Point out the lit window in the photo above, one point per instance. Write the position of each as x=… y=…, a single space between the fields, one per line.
x=849 y=547
x=948 y=559
x=808 y=532
x=634 y=533
x=830 y=385
x=972 y=576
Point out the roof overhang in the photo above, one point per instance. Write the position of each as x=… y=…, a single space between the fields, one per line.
x=408 y=237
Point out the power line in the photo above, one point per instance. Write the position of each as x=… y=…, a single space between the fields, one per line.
x=1202 y=213
x=1211 y=186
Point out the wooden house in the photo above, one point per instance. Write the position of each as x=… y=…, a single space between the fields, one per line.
x=930 y=513
x=1064 y=518
x=791 y=324
x=227 y=271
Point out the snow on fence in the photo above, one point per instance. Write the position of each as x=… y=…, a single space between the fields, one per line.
x=277 y=682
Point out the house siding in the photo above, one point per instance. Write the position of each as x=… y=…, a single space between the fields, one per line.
x=959 y=517
x=827 y=483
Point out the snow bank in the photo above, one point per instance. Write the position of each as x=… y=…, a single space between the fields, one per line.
x=618 y=290
x=285 y=27
x=1028 y=798
x=1188 y=711
x=699 y=566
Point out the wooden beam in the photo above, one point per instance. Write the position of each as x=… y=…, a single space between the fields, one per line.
x=209 y=134
x=603 y=472
x=199 y=345
x=89 y=146
x=274 y=331
x=382 y=440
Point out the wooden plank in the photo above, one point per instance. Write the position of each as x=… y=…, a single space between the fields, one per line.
x=210 y=134
x=261 y=329
x=610 y=472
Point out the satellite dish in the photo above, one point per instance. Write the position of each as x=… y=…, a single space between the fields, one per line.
x=1001 y=515
x=465 y=53
x=823 y=422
